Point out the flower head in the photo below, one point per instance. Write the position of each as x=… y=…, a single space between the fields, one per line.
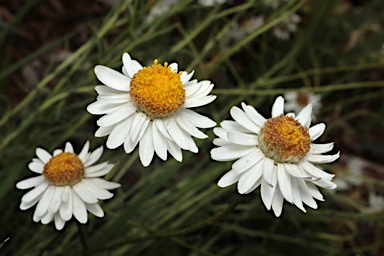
x=150 y=105
x=68 y=185
x=276 y=153
x=296 y=101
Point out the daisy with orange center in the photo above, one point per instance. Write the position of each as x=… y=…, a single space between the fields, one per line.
x=277 y=154
x=68 y=185
x=149 y=106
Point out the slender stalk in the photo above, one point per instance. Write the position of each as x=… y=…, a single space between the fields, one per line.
x=82 y=238
x=1 y=245
x=157 y=235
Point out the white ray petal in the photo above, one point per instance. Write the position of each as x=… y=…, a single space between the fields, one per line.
x=30 y=182
x=316 y=131
x=43 y=155
x=112 y=78
x=231 y=152
x=116 y=116
x=228 y=179
x=79 y=210
x=278 y=107
x=146 y=148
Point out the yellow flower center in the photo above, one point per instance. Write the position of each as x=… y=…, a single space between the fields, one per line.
x=64 y=169
x=157 y=90
x=284 y=139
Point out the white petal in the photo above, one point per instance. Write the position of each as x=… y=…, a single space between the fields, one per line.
x=304 y=115
x=174 y=150
x=140 y=122
x=104 y=131
x=99 y=173
x=56 y=200
x=84 y=152
x=105 y=90
x=95 y=209
x=175 y=132
x=228 y=179
x=79 y=210
x=188 y=127
x=296 y=194
x=229 y=153
x=270 y=171
x=131 y=66
x=250 y=177
x=104 y=183
x=284 y=181
x=198 y=120
x=121 y=113
x=34 y=193
x=95 y=168
x=322 y=159
x=43 y=155
x=253 y=115
x=94 y=156
x=113 y=99
x=242 y=139
x=100 y=108
x=267 y=193
x=119 y=133
x=47 y=217
x=45 y=201
x=36 y=167
x=185 y=77
x=296 y=171
x=146 y=148
x=316 y=131
x=247 y=161
x=83 y=193
x=59 y=222
x=199 y=101
x=243 y=119
x=161 y=127
x=159 y=142
x=57 y=152
x=314 y=171
x=173 y=67
x=30 y=182
x=98 y=192
x=321 y=148
x=221 y=142
x=306 y=195
x=112 y=78
x=278 y=107
x=277 y=203
x=233 y=126
x=27 y=205
x=66 y=209
x=65 y=194
x=68 y=147
x=314 y=191
x=324 y=183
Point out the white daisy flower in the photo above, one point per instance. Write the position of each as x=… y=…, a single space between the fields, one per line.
x=276 y=153
x=284 y=29
x=68 y=185
x=376 y=203
x=211 y=2
x=296 y=101
x=150 y=105
x=352 y=176
x=159 y=8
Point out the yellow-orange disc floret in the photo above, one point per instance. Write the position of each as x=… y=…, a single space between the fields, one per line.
x=157 y=90
x=284 y=139
x=64 y=169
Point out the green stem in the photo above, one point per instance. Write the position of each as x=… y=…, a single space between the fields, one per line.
x=82 y=238
x=183 y=231
x=1 y=245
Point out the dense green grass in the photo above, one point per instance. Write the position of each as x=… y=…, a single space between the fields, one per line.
x=336 y=52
